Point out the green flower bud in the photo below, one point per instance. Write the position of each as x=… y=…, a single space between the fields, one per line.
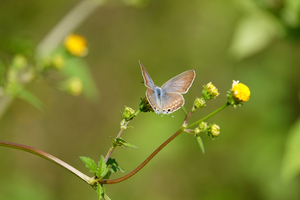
x=210 y=91
x=145 y=106
x=199 y=103
x=203 y=126
x=128 y=113
x=213 y=130
x=73 y=86
x=197 y=131
x=58 y=62
x=19 y=62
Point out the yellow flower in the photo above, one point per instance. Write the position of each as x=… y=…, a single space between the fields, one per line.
x=76 y=45
x=240 y=91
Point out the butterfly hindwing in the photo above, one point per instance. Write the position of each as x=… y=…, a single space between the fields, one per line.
x=171 y=102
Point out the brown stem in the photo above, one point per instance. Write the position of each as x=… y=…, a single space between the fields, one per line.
x=47 y=156
x=113 y=147
x=143 y=163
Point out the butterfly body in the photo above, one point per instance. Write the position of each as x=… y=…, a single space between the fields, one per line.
x=167 y=98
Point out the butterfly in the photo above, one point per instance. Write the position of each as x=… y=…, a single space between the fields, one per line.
x=167 y=98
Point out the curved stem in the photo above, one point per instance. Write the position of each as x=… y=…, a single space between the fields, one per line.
x=46 y=156
x=123 y=178
x=208 y=116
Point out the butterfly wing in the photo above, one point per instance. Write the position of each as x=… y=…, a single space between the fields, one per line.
x=180 y=83
x=171 y=102
x=147 y=79
x=153 y=99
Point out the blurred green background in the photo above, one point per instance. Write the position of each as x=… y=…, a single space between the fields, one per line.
x=257 y=153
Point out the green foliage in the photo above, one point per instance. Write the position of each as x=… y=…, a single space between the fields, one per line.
x=200 y=142
x=30 y=98
x=90 y=164
x=78 y=68
x=123 y=143
x=291 y=159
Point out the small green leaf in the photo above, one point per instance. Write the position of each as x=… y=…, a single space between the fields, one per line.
x=30 y=98
x=89 y=163
x=100 y=191
x=106 y=197
x=200 y=142
x=102 y=169
x=114 y=166
x=123 y=143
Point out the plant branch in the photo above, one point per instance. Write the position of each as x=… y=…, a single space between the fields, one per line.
x=46 y=156
x=208 y=116
x=67 y=24
x=123 y=178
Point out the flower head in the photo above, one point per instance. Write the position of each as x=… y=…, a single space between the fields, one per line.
x=239 y=93
x=76 y=45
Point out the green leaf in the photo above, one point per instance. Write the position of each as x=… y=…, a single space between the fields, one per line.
x=102 y=169
x=291 y=158
x=200 y=142
x=30 y=98
x=89 y=163
x=106 y=197
x=123 y=143
x=78 y=68
x=100 y=191
x=113 y=166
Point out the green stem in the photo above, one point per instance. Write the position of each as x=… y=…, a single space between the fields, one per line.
x=123 y=178
x=46 y=156
x=208 y=116
x=112 y=148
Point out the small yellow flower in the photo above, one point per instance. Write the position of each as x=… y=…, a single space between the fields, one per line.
x=76 y=45
x=240 y=91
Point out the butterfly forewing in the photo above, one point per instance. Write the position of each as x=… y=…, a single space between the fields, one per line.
x=180 y=83
x=148 y=80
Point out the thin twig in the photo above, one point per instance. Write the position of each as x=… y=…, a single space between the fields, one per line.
x=46 y=156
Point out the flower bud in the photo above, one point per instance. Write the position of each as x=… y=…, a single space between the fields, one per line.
x=203 y=126
x=213 y=130
x=199 y=103
x=145 y=106
x=73 y=86
x=210 y=91
x=58 y=62
x=197 y=130
x=128 y=113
